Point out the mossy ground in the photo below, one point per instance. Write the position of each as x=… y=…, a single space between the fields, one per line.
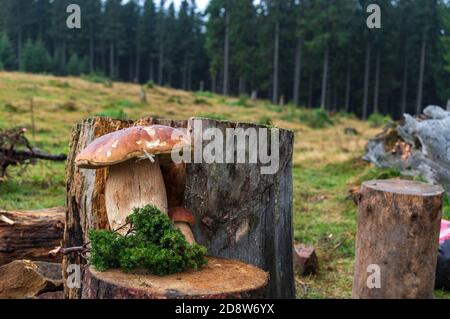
x=326 y=160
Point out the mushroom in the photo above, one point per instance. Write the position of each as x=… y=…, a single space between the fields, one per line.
x=134 y=178
x=183 y=219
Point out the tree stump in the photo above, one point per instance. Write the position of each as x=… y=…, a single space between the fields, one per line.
x=221 y=278
x=240 y=213
x=397 y=240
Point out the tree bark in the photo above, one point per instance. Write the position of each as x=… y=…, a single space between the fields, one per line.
x=297 y=71
x=151 y=68
x=310 y=89
x=404 y=85
x=348 y=84
x=161 y=61
x=220 y=279
x=244 y=215
x=242 y=85
x=111 y=59
x=326 y=57
x=213 y=83
x=226 y=53
x=276 y=58
x=137 y=76
x=91 y=50
x=407 y=215
x=30 y=234
x=366 y=81
x=376 y=90
x=421 y=72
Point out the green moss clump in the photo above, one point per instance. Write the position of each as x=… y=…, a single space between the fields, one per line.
x=153 y=244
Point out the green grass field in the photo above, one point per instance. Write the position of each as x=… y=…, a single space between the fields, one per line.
x=326 y=161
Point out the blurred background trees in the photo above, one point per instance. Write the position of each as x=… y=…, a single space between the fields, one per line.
x=314 y=53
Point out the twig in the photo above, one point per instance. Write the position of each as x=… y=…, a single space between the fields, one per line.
x=82 y=250
x=5 y=219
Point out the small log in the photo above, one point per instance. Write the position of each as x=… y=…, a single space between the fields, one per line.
x=397 y=240
x=24 y=279
x=305 y=260
x=30 y=234
x=220 y=279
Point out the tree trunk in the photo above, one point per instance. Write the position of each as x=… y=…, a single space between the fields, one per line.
x=242 y=85
x=151 y=69
x=161 y=62
x=137 y=76
x=310 y=89
x=366 y=81
x=111 y=59
x=421 y=72
x=245 y=215
x=347 y=89
x=297 y=72
x=276 y=57
x=326 y=57
x=130 y=69
x=220 y=279
x=376 y=90
x=213 y=83
x=189 y=87
x=226 y=54
x=404 y=86
x=30 y=234
x=184 y=74
x=64 y=55
x=91 y=51
x=401 y=263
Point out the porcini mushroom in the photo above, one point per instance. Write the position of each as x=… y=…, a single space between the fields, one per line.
x=183 y=219
x=134 y=176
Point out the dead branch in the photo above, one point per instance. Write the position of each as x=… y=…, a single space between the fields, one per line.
x=15 y=149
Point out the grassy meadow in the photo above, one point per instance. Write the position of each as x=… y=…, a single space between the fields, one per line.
x=327 y=162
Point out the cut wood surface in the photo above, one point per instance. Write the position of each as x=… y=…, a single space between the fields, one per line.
x=398 y=232
x=30 y=234
x=221 y=278
x=240 y=213
x=23 y=279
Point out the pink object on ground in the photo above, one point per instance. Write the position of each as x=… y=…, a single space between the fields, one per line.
x=445 y=231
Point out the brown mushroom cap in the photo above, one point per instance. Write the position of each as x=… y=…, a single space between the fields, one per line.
x=122 y=145
x=181 y=214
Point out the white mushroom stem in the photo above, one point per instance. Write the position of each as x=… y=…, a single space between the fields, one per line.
x=186 y=230
x=134 y=183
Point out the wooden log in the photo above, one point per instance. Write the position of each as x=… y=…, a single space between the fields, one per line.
x=240 y=213
x=305 y=260
x=30 y=234
x=397 y=240
x=22 y=279
x=221 y=278
x=417 y=146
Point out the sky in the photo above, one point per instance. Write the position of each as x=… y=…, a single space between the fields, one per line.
x=201 y=4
